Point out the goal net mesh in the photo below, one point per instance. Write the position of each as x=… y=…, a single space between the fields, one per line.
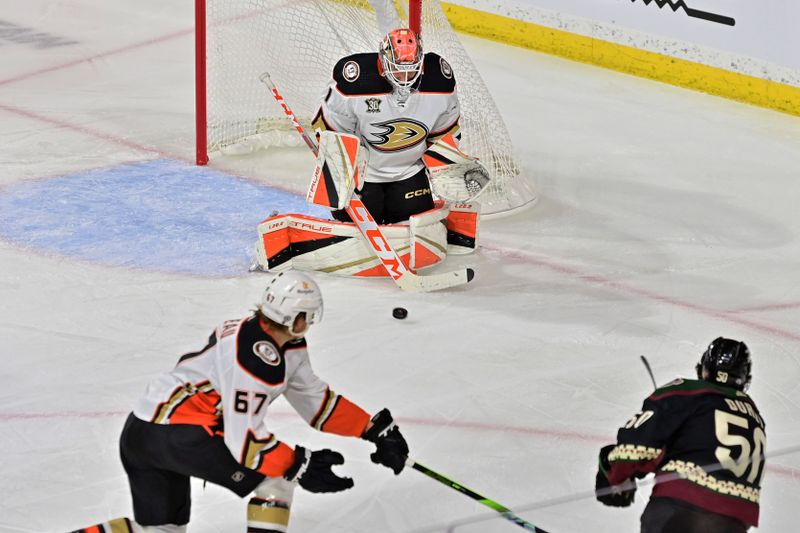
x=299 y=41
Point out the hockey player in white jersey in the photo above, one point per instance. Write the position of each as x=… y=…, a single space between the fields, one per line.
x=388 y=128
x=208 y=418
x=398 y=101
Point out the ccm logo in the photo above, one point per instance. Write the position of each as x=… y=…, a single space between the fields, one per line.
x=418 y=192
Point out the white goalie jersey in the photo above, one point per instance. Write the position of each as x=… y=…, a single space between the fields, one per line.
x=228 y=386
x=359 y=101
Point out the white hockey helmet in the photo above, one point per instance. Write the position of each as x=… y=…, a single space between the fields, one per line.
x=289 y=294
x=401 y=58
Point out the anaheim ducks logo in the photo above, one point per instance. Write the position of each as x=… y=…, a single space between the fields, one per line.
x=398 y=135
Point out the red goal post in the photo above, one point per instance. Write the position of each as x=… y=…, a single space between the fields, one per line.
x=298 y=42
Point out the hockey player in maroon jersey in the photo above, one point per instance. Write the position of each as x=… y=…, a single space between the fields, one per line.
x=704 y=439
x=398 y=101
x=207 y=418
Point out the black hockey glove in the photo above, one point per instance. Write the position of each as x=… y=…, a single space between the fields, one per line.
x=392 y=449
x=605 y=494
x=312 y=470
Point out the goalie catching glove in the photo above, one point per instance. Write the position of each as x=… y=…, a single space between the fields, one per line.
x=313 y=470
x=340 y=168
x=454 y=175
x=392 y=450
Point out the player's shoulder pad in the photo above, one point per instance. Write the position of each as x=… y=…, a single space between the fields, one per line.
x=259 y=355
x=437 y=75
x=692 y=387
x=358 y=75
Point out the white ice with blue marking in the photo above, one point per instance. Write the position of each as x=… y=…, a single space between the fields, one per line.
x=158 y=215
x=666 y=218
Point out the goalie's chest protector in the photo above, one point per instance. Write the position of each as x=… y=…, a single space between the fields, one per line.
x=360 y=102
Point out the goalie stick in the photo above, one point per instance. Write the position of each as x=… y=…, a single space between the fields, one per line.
x=371 y=231
x=504 y=511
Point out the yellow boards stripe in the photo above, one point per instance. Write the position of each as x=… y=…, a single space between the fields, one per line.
x=667 y=69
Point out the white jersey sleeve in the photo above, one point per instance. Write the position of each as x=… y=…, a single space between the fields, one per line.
x=336 y=113
x=322 y=408
x=448 y=121
x=306 y=391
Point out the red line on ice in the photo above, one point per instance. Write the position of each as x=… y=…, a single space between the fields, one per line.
x=783 y=471
x=603 y=281
x=767 y=307
x=95 y=57
x=86 y=131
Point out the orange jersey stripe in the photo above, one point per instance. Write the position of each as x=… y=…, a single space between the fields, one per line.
x=200 y=410
x=346 y=419
x=277 y=461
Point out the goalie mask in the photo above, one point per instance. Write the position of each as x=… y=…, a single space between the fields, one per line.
x=401 y=59
x=726 y=362
x=287 y=296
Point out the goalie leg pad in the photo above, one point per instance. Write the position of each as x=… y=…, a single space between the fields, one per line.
x=307 y=243
x=339 y=170
x=428 y=236
x=462 y=228
x=291 y=241
x=273 y=248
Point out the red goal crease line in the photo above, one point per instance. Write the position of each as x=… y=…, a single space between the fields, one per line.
x=783 y=471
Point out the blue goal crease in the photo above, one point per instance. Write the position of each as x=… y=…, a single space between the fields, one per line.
x=161 y=215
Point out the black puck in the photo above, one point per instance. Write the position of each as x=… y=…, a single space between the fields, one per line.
x=399 y=313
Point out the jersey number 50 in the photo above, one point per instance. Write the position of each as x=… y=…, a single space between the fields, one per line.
x=723 y=422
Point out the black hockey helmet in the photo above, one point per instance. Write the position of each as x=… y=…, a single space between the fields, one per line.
x=727 y=362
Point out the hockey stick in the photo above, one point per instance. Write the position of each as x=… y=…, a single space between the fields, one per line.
x=504 y=511
x=649 y=370
x=371 y=231
x=590 y=494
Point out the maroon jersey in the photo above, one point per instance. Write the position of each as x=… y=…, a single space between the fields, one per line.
x=705 y=443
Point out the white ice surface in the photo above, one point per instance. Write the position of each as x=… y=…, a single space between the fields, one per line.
x=666 y=218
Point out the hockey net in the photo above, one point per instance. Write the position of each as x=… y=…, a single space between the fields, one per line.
x=298 y=42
